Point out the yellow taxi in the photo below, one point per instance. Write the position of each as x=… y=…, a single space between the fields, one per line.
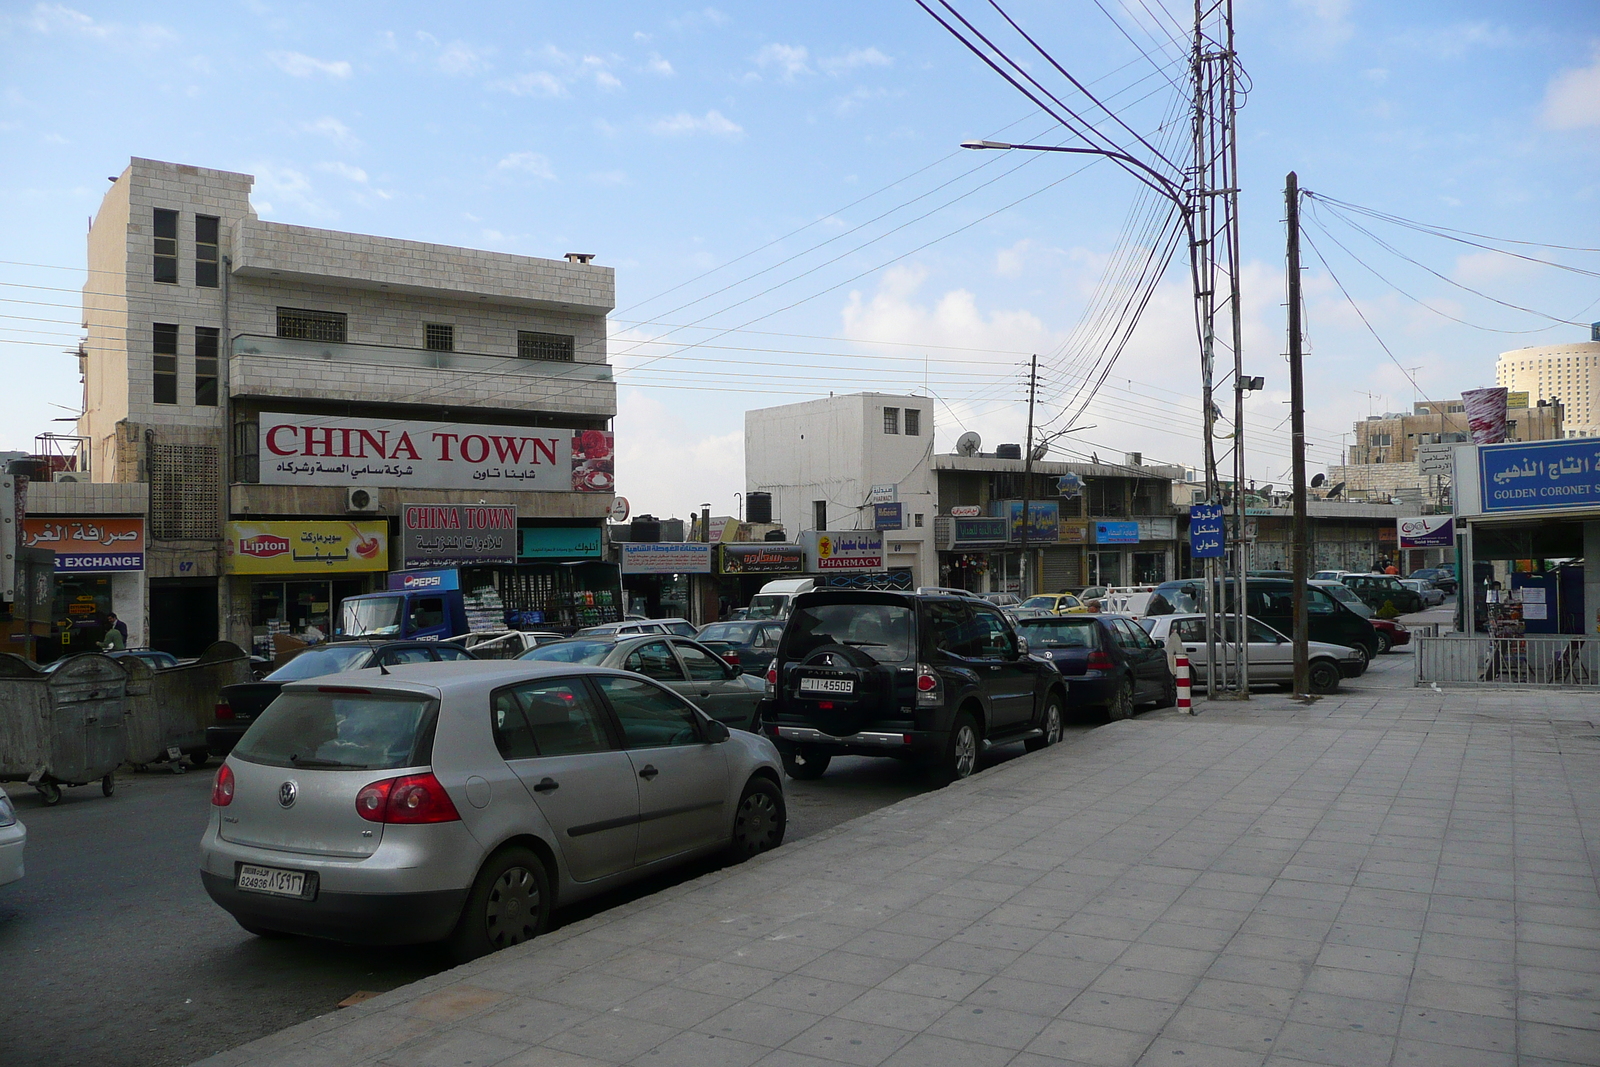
x=1056 y=604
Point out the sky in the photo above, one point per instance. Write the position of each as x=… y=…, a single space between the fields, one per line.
x=781 y=192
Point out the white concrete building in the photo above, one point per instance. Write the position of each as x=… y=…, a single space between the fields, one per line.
x=255 y=377
x=1566 y=372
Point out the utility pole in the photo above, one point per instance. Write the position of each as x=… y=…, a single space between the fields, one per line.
x=1297 y=446
x=1026 y=574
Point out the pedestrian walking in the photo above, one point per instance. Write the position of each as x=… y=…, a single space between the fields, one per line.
x=116 y=637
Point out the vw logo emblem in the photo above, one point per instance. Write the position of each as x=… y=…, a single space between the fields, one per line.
x=286 y=794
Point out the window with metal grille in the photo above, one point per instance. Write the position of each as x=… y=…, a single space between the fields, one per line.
x=164 y=345
x=205 y=250
x=246 y=451
x=166 y=250
x=307 y=325
x=913 y=422
x=891 y=420
x=184 y=491
x=441 y=337
x=206 y=340
x=551 y=346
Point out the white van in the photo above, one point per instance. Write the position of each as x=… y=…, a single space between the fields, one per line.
x=775 y=598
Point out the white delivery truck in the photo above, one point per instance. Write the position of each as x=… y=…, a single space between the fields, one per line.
x=776 y=598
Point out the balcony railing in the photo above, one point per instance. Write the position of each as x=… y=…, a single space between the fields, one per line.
x=469 y=363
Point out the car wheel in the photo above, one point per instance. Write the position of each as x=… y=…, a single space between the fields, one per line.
x=760 y=820
x=960 y=756
x=1051 y=726
x=1324 y=676
x=1384 y=643
x=1366 y=659
x=262 y=932
x=1121 y=706
x=199 y=757
x=1169 y=695
x=805 y=764
x=509 y=903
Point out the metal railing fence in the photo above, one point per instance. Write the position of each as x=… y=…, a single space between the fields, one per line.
x=1560 y=660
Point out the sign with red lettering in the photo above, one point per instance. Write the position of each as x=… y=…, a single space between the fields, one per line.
x=335 y=450
x=457 y=535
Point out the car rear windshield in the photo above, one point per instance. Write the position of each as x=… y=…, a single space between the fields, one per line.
x=1062 y=633
x=736 y=632
x=574 y=651
x=319 y=661
x=341 y=729
x=881 y=631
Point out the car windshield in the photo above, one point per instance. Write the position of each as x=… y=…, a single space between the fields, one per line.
x=735 y=633
x=317 y=662
x=370 y=616
x=341 y=729
x=881 y=631
x=574 y=651
x=1045 y=603
x=768 y=606
x=1059 y=633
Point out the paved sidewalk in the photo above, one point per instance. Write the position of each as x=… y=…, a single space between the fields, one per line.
x=1389 y=876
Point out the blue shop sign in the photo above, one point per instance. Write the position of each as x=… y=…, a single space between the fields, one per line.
x=1540 y=475
x=1206 y=537
x=407 y=580
x=1044 y=519
x=559 y=542
x=1116 y=533
x=888 y=517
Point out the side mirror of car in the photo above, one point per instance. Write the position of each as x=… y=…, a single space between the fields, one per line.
x=716 y=732
x=734 y=669
x=1022 y=646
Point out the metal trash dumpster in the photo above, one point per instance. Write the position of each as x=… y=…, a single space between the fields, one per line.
x=63 y=726
x=169 y=709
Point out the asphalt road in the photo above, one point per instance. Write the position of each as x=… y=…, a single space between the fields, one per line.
x=112 y=955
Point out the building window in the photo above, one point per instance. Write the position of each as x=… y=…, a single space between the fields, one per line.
x=165 y=347
x=913 y=422
x=819 y=514
x=441 y=337
x=166 y=246
x=205 y=365
x=916 y=520
x=1381 y=440
x=304 y=325
x=205 y=250
x=551 y=346
x=891 y=420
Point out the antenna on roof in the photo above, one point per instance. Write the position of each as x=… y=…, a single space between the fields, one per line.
x=381 y=668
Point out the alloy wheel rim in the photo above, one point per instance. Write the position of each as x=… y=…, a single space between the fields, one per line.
x=758 y=818
x=1052 y=724
x=513 y=908
x=966 y=752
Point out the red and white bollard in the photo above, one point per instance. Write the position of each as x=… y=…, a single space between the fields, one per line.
x=1184 y=703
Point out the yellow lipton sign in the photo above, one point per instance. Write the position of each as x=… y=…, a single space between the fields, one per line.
x=306 y=547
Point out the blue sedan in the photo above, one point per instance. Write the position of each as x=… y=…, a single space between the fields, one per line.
x=1111 y=665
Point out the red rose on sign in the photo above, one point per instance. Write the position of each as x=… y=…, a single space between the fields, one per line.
x=594 y=444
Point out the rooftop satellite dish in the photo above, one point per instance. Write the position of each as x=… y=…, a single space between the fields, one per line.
x=968 y=444
x=1040 y=450
x=1335 y=490
x=1266 y=490
x=1317 y=480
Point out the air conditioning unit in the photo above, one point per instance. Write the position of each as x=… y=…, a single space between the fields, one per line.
x=362 y=500
x=65 y=476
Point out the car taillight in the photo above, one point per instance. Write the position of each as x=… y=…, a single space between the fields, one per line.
x=411 y=798
x=224 y=711
x=1100 y=661
x=772 y=679
x=222 y=787
x=731 y=657
x=928 y=693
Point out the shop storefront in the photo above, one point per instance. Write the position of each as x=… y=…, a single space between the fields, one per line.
x=657 y=576
x=561 y=579
x=970 y=546
x=99 y=571
x=288 y=577
x=1133 y=552
x=742 y=569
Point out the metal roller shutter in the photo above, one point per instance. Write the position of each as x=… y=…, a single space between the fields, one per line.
x=1061 y=568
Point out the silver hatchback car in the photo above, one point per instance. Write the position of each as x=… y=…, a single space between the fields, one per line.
x=461 y=802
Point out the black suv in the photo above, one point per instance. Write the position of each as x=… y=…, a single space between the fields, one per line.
x=932 y=678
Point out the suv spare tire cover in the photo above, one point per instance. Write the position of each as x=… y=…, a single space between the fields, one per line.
x=849 y=713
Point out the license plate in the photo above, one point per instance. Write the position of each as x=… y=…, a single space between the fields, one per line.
x=827 y=685
x=271 y=880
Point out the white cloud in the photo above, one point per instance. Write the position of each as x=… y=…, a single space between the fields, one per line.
x=530 y=163
x=1327 y=23
x=332 y=129
x=460 y=58
x=1572 y=100
x=1008 y=262
x=345 y=170
x=790 y=61
x=299 y=65
x=712 y=122
x=856 y=58
x=58 y=18
x=532 y=83
x=609 y=177
x=607 y=80
x=287 y=187
x=669 y=459
x=709 y=16
x=656 y=65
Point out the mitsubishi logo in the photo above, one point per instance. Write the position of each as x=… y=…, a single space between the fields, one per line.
x=827 y=659
x=286 y=794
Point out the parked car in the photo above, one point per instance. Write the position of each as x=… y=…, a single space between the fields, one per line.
x=461 y=802
x=1110 y=664
x=687 y=667
x=505 y=644
x=1269 y=653
x=1442 y=577
x=749 y=644
x=240 y=705
x=1272 y=601
x=1391 y=633
x=1004 y=600
x=1330 y=576
x=681 y=627
x=1376 y=590
x=13 y=839
x=1432 y=595
x=930 y=678
x=155 y=659
x=1056 y=603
